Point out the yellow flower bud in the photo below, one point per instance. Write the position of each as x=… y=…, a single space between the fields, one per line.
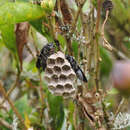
x=51 y=4
x=47 y=4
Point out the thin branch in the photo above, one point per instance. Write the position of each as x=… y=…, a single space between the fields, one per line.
x=46 y=25
x=12 y=105
x=42 y=99
x=12 y=87
x=60 y=12
x=6 y=124
x=91 y=36
x=34 y=40
x=75 y=118
x=73 y=27
x=103 y=25
x=49 y=127
x=52 y=25
x=106 y=117
x=122 y=102
x=97 y=54
x=120 y=106
x=29 y=50
x=98 y=15
x=106 y=44
x=120 y=54
x=76 y=17
x=67 y=121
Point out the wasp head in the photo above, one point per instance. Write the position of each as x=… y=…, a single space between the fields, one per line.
x=48 y=49
x=45 y=52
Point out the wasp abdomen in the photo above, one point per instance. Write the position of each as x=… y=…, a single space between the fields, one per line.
x=79 y=73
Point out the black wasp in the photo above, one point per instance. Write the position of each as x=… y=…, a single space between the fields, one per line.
x=79 y=73
x=45 y=52
x=50 y=49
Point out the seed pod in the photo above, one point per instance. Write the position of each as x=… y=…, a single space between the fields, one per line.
x=60 y=76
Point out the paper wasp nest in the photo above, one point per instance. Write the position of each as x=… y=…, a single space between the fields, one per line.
x=60 y=76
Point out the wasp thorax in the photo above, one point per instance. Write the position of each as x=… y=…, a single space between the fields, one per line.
x=60 y=76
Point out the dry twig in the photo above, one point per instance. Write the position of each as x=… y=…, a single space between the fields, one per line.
x=6 y=124
x=29 y=50
x=42 y=98
x=76 y=17
x=12 y=105
x=120 y=106
x=106 y=44
x=96 y=40
x=12 y=87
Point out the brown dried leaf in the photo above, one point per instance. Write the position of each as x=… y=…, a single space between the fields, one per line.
x=66 y=12
x=91 y=106
x=21 y=38
x=87 y=106
x=67 y=17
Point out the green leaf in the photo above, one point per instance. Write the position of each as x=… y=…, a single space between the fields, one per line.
x=56 y=111
x=71 y=111
x=127 y=42
x=31 y=65
x=37 y=24
x=3 y=1
x=128 y=128
x=22 y=106
x=86 y=6
x=11 y=13
x=75 y=48
x=113 y=91
x=9 y=40
x=106 y=63
x=79 y=25
x=119 y=10
x=62 y=41
x=8 y=36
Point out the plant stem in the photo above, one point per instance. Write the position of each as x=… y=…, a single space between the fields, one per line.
x=12 y=105
x=29 y=50
x=106 y=43
x=42 y=99
x=96 y=40
x=12 y=87
x=6 y=124
x=60 y=12
x=119 y=106
x=76 y=17
x=98 y=15
x=74 y=26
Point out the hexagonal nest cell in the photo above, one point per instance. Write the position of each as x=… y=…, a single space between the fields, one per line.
x=68 y=86
x=50 y=62
x=71 y=76
x=66 y=67
x=57 y=69
x=49 y=71
x=63 y=77
x=60 y=60
x=54 y=78
x=60 y=76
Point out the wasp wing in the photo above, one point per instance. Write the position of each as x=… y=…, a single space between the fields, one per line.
x=79 y=73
